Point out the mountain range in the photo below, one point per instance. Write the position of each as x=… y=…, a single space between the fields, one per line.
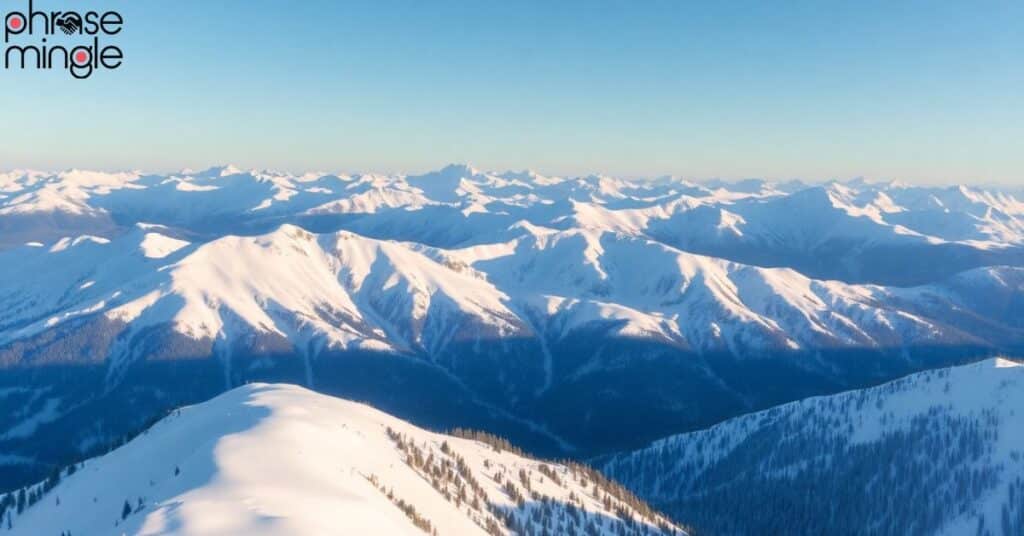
x=576 y=316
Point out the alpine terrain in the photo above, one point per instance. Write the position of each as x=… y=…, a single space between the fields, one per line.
x=936 y=453
x=282 y=460
x=576 y=316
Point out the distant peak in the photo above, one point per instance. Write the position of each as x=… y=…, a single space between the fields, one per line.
x=461 y=169
x=215 y=171
x=1001 y=362
x=526 y=175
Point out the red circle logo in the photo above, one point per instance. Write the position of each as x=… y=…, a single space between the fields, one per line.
x=15 y=23
x=81 y=57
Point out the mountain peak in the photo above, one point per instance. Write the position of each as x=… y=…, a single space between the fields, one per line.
x=461 y=170
x=212 y=172
x=282 y=460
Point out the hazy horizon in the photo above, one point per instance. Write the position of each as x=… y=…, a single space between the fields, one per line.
x=297 y=172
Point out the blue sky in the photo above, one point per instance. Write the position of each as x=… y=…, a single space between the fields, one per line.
x=920 y=91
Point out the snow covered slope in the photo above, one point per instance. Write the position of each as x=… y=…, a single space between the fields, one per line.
x=940 y=452
x=552 y=310
x=829 y=231
x=342 y=290
x=282 y=460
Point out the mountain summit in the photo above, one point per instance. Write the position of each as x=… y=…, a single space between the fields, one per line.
x=282 y=460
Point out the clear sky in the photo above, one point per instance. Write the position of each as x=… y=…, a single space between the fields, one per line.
x=928 y=91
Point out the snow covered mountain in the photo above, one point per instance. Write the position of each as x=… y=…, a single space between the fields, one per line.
x=576 y=316
x=936 y=453
x=829 y=231
x=279 y=459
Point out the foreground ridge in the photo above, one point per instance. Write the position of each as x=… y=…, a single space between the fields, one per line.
x=935 y=453
x=279 y=459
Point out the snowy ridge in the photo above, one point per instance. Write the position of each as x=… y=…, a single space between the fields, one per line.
x=651 y=254
x=343 y=288
x=939 y=452
x=534 y=307
x=225 y=199
x=277 y=459
x=345 y=291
